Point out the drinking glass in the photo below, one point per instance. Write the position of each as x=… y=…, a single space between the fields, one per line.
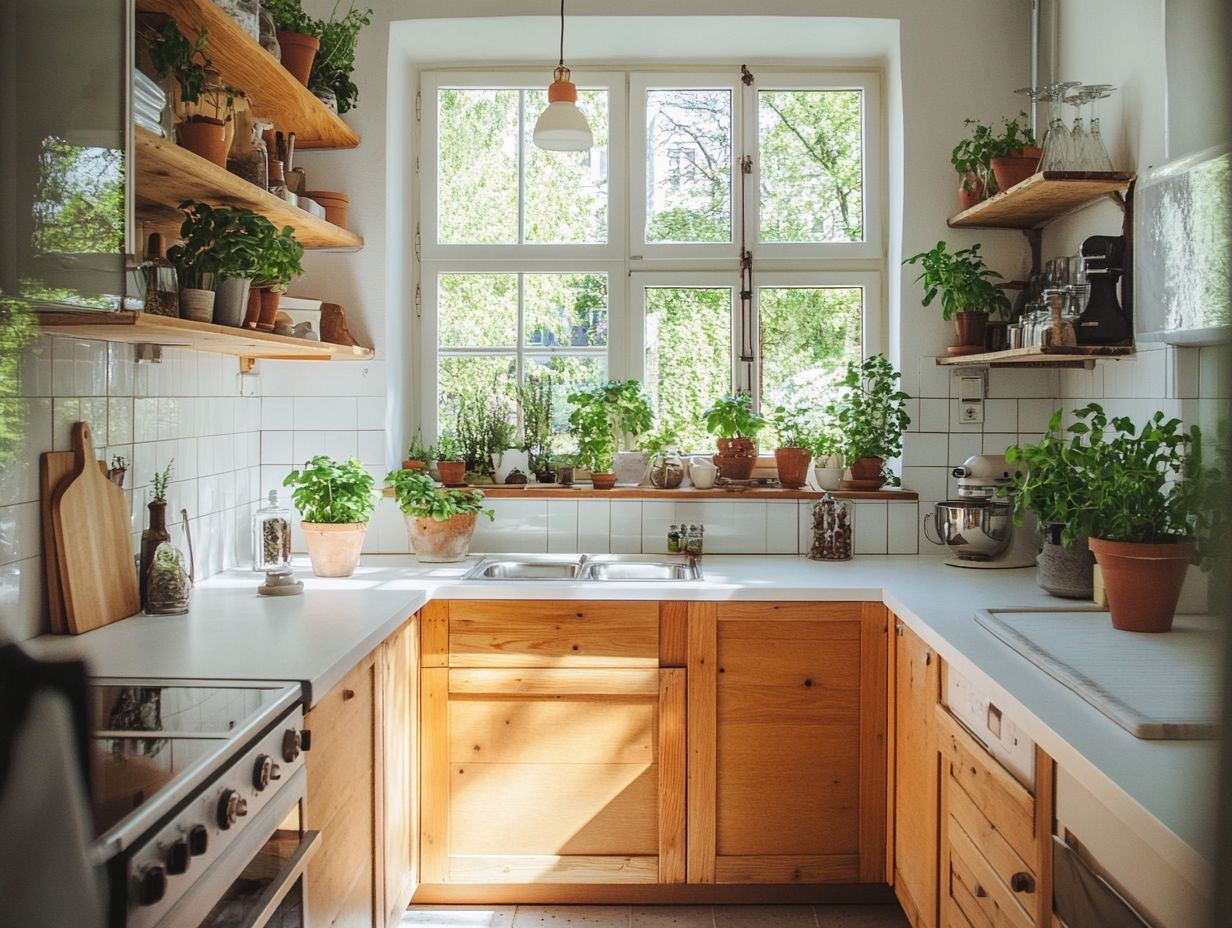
x=1098 y=152
x=1057 y=150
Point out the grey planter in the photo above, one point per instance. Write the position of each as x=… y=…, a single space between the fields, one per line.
x=1067 y=572
x=231 y=301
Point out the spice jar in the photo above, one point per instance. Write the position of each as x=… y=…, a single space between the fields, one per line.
x=673 y=539
x=832 y=529
x=693 y=540
x=271 y=536
x=159 y=280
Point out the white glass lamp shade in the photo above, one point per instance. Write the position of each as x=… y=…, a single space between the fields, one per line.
x=562 y=127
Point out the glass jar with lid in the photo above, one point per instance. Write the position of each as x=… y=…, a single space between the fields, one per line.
x=833 y=529
x=271 y=536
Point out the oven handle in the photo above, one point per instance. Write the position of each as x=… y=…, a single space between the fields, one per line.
x=267 y=903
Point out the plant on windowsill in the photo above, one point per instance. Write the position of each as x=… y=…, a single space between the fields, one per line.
x=622 y=406
x=418 y=455
x=335 y=501
x=735 y=423
x=828 y=459
x=794 y=450
x=535 y=400
x=439 y=521
x=450 y=461
x=871 y=416
x=968 y=295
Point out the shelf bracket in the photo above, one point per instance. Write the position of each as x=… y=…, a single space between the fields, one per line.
x=247 y=364
x=1035 y=238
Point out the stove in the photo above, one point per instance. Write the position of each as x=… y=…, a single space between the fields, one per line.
x=198 y=801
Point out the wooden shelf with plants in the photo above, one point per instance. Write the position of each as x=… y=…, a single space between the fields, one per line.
x=1040 y=356
x=273 y=93
x=1040 y=199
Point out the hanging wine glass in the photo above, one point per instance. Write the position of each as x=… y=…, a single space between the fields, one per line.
x=1100 y=160
x=1078 y=138
x=1057 y=153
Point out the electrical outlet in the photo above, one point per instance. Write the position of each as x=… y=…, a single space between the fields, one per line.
x=971 y=399
x=971 y=412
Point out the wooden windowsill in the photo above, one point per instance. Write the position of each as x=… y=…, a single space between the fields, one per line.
x=683 y=494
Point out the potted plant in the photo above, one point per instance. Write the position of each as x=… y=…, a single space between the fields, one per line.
x=320 y=53
x=563 y=465
x=297 y=39
x=829 y=463
x=241 y=236
x=736 y=424
x=280 y=263
x=196 y=261
x=200 y=89
x=335 y=501
x=623 y=406
x=450 y=463
x=439 y=521
x=666 y=468
x=971 y=159
x=871 y=416
x=1013 y=155
x=418 y=455
x=793 y=453
x=591 y=429
x=535 y=400
x=1149 y=507
x=967 y=292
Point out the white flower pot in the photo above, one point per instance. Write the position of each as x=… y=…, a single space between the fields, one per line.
x=197 y=305
x=509 y=460
x=828 y=478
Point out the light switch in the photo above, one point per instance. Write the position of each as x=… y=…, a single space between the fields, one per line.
x=971 y=399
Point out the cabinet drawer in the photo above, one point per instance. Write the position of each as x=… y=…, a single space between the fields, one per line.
x=1015 y=875
x=975 y=888
x=505 y=633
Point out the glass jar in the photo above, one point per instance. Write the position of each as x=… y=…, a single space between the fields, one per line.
x=693 y=540
x=267 y=36
x=168 y=583
x=160 y=283
x=249 y=157
x=833 y=529
x=673 y=539
x=271 y=536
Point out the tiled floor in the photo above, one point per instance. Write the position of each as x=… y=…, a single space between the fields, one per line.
x=663 y=916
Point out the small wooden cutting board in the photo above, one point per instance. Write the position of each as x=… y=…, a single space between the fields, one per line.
x=94 y=546
x=54 y=468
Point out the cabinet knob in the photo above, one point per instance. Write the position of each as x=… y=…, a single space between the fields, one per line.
x=898 y=629
x=348 y=694
x=928 y=658
x=980 y=891
x=1022 y=883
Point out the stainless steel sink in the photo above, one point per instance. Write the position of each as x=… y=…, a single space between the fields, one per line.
x=522 y=567
x=640 y=567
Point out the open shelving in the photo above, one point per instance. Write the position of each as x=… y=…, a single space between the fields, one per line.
x=1041 y=199
x=1039 y=356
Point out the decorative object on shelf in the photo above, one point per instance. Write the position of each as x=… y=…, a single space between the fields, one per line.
x=271 y=536
x=281 y=583
x=1013 y=155
x=439 y=522
x=562 y=126
x=205 y=105
x=832 y=529
x=606 y=418
x=249 y=158
x=245 y=14
x=160 y=283
x=564 y=470
x=871 y=415
x=1103 y=320
x=450 y=463
x=510 y=463
x=335 y=501
x=793 y=454
x=322 y=56
x=268 y=33
x=666 y=470
x=168 y=583
x=418 y=455
x=968 y=295
x=297 y=52
x=156 y=532
x=736 y=424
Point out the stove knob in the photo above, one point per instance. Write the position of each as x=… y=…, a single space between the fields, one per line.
x=231 y=805
x=262 y=772
x=291 y=745
x=177 y=858
x=198 y=840
x=151 y=885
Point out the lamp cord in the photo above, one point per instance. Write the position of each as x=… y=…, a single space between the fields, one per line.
x=562 y=33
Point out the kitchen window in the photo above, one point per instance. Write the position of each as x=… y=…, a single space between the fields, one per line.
x=624 y=261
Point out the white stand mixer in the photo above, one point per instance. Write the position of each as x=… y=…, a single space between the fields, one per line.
x=978 y=527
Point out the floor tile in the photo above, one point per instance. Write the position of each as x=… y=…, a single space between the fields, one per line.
x=860 y=916
x=458 y=916
x=672 y=916
x=764 y=916
x=573 y=916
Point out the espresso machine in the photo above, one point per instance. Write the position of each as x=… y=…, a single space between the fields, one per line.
x=978 y=527
x=1103 y=320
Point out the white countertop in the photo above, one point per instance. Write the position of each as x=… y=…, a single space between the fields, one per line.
x=1165 y=790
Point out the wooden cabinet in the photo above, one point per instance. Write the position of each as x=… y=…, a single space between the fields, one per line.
x=787 y=742
x=916 y=689
x=399 y=721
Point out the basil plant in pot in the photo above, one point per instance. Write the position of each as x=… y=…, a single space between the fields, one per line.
x=439 y=521
x=968 y=294
x=280 y=260
x=622 y=410
x=871 y=415
x=794 y=452
x=735 y=423
x=335 y=502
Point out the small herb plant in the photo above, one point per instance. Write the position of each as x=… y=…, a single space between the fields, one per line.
x=280 y=261
x=658 y=443
x=872 y=413
x=418 y=451
x=792 y=428
x=335 y=60
x=420 y=496
x=172 y=53
x=618 y=408
x=484 y=427
x=535 y=399
x=327 y=491
x=159 y=484
x=448 y=448
x=962 y=279
x=1015 y=136
x=734 y=417
x=225 y=241
x=828 y=443
x=970 y=157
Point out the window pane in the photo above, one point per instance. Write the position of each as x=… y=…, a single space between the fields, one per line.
x=688 y=165
x=477 y=310
x=569 y=373
x=477 y=173
x=476 y=379
x=808 y=334
x=688 y=356
x=566 y=191
x=566 y=310
x=811 y=165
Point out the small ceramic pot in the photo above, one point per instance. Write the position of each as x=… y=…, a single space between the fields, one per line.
x=971 y=328
x=1067 y=572
x=205 y=137
x=298 y=51
x=451 y=472
x=440 y=542
x=602 y=481
x=334 y=548
x=793 y=466
x=414 y=464
x=736 y=458
x=1143 y=582
x=270 y=298
x=868 y=469
x=197 y=305
x=828 y=478
x=336 y=205
x=1015 y=168
x=231 y=301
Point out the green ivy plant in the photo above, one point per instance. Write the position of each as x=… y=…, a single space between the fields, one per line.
x=871 y=415
x=335 y=59
x=620 y=408
x=793 y=428
x=328 y=491
x=962 y=279
x=420 y=496
x=734 y=417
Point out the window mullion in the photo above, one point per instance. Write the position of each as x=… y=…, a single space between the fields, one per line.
x=521 y=167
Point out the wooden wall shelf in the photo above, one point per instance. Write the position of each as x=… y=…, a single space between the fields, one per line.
x=584 y=490
x=168 y=174
x=273 y=93
x=1040 y=199
x=1083 y=356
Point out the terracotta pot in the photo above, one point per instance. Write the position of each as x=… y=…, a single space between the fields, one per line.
x=253 y=312
x=1067 y=572
x=440 y=542
x=451 y=471
x=868 y=469
x=972 y=328
x=197 y=305
x=414 y=464
x=205 y=137
x=793 y=465
x=269 y=309
x=298 y=51
x=334 y=548
x=602 y=481
x=967 y=198
x=1143 y=581
x=1015 y=168
x=736 y=458
x=336 y=205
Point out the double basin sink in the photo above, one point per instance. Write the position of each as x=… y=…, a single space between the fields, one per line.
x=599 y=567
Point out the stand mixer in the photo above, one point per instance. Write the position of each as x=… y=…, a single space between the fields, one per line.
x=979 y=526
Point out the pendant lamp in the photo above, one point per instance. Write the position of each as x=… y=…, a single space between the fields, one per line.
x=562 y=127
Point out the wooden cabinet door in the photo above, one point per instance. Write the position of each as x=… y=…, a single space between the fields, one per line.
x=552 y=775
x=787 y=742
x=916 y=693
x=399 y=761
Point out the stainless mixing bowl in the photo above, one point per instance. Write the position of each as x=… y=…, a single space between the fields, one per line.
x=975 y=529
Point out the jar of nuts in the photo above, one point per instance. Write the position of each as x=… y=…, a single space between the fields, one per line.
x=831 y=535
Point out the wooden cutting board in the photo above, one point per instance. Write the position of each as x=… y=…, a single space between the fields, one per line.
x=54 y=468
x=93 y=543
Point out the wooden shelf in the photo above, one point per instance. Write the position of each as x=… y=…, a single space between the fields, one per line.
x=168 y=174
x=273 y=93
x=1083 y=356
x=1040 y=199
x=584 y=490
x=129 y=326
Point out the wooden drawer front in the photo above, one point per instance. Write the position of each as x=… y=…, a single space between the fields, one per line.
x=1013 y=873
x=975 y=888
x=553 y=634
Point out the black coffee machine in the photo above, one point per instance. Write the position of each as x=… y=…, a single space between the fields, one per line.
x=1103 y=321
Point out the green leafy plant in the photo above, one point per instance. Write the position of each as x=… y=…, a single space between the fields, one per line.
x=159 y=482
x=418 y=451
x=1107 y=478
x=734 y=417
x=1015 y=136
x=658 y=443
x=827 y=442
x=448 y=448
x=335 y=59
x=420 y=496
x=962 y=279
x=484 y=427
x=535 y=400
x=172 y=53
x=329 y=491
x=620 y=408
x=871 y=415
x=222 y=241
x=793 y=428
x=971 y=157
x=281 y=260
